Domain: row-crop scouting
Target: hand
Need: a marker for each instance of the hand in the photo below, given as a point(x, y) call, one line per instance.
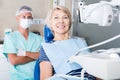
point(21, 52)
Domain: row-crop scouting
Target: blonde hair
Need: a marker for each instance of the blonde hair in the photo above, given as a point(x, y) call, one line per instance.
point(62, 8)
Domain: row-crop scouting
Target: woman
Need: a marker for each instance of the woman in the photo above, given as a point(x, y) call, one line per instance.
point(55, 54)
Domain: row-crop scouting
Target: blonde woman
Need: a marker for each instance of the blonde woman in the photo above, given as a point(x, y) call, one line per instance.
point(54, 55)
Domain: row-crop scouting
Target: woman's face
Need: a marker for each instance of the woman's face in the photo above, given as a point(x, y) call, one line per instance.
point(60, 22)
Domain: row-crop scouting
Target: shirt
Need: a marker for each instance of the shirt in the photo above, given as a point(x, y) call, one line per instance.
point(15, 41)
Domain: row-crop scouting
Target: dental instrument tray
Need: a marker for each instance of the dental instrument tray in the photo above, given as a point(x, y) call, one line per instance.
point(104, 64)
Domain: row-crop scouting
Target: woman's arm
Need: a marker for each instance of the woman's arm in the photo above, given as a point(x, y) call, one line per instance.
point(45, 70)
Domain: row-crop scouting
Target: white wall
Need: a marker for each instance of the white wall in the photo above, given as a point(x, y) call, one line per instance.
point(8, 9)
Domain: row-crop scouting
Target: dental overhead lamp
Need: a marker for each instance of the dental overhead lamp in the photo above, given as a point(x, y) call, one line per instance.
point(102, 13)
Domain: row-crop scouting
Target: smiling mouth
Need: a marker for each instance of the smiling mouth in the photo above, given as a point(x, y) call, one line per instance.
point(61, 27)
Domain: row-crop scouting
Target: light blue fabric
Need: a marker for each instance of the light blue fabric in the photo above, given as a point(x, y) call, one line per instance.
point(15, 41)
point(59, 52)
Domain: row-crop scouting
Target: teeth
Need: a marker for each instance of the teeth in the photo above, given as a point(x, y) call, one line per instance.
point(61, 27)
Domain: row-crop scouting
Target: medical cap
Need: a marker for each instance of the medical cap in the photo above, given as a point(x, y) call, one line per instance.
point(23, 9)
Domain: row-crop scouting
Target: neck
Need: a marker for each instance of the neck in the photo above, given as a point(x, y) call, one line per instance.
point(24, 32)
point(61, 37)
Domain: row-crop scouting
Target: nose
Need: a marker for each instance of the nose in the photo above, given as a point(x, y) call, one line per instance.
point(61, 20)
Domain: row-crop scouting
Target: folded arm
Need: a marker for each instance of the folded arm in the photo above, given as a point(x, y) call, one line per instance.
point(15, 59)
point(33, 55)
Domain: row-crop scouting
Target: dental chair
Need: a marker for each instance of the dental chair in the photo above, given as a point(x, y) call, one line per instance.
point(48, 35)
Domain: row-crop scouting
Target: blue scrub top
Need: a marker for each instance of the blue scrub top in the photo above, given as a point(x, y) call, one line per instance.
point(15, 41)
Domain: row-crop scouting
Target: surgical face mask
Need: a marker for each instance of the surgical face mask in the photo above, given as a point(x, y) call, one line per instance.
point(25, 23)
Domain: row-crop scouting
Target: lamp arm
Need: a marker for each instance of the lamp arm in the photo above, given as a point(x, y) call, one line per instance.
point(98, 44)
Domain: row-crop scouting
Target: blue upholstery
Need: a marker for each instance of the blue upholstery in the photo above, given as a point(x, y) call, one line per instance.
point(37, 70)
point(48, 35)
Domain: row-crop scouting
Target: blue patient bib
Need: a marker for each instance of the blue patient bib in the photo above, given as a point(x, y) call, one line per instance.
point(60, 51)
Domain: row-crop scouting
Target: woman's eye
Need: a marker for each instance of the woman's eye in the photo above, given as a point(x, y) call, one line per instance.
point(55, 17)
point(65, 17)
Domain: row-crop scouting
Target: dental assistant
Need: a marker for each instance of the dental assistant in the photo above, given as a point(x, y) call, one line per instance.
point(54, 56)
point(21, 47)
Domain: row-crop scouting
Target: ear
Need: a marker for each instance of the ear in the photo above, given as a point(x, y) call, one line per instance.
point(32, 17)
point(17, 18)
